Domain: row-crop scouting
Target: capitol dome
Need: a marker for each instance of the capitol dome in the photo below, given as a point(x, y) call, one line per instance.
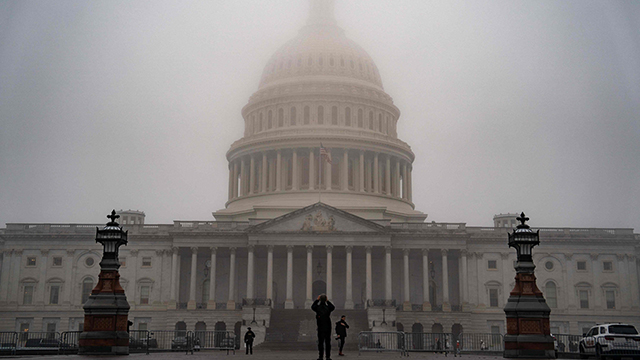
point(320, 88)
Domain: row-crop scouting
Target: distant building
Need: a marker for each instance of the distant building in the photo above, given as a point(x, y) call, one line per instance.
point(296, 225)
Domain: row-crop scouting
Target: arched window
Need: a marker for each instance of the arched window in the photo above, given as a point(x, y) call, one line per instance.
point(551, 294)
point(292, 120)
point(347, 116)
point(280, 117)
point(360, 118)
point(370, 120)
point(307, 115)
point(334, 115)
point(270, 120)
point(320, 115)
point(87, 286)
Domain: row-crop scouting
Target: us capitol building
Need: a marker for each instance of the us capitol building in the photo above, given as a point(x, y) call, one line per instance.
point(295, 226)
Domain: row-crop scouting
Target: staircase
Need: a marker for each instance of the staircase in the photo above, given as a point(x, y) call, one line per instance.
point(295, 329)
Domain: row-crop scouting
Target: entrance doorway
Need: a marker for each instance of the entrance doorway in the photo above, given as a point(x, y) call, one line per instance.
point(318, 287)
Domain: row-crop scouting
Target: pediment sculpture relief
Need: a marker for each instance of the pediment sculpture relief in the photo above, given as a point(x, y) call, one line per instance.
point(317, 222)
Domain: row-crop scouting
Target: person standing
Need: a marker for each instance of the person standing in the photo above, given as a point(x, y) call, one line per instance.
point(323, 308)
point(341, 330)
point(248, 340)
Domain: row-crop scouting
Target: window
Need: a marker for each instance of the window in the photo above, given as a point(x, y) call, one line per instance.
point(87, 286)
point(57, 261)
point(493, 297)
point(551, 294)
point(548, 265)
point(31, 261)
point(370, 120)
point(607, 266)
point(495, 329)
point(492, 264)
point(89, 261)
point(54, 294)
point(142, 326)
point(51, 327)
point(292, 120)
point(610, 295)
point(146, 262)
point(320, 115)
point(144, 294)
point(584, 299)
point(27, 295)
point(582, 266)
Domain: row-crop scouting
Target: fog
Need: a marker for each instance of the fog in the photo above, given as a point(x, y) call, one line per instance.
point(509, 106)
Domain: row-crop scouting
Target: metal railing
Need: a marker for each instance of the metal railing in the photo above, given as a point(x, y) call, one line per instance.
point(431, 342)
point(140, 341)
point(381, 341)
point(170, 340)
point(38, 340)
point(8, 342)
point(481, 342)
point(215, 340)
point(69, 342)
point(566, 343)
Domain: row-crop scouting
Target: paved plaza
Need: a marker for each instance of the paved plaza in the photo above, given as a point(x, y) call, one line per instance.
point(259, 355)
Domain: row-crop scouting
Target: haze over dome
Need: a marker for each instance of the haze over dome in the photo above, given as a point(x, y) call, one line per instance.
point(320, 88)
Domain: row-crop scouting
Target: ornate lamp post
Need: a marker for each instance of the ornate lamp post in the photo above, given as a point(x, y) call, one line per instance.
point(106, 312)
point(528, 333)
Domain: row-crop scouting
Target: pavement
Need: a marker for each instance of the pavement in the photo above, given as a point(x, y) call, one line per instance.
point(258, 355)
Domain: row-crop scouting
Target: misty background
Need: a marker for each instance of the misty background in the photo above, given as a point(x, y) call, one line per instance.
point(509, 106)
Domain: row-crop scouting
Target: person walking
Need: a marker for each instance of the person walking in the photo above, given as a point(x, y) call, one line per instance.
point(341, 330)
point(323, 308)
point(248, 340)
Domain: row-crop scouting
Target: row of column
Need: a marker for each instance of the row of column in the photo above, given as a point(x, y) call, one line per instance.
point(289, 304)
point(376, 173)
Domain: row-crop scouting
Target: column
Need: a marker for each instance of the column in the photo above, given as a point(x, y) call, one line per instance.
point(15, 276)
point(133, 262)
point(596, 268)
point(288, 303)
point(191, 305)
point(361, 172)
point(43, 276)
point(481, 268)
point(446, 306)
point(376, 175)
point(330, 272)
point(312, 167)
point(309, 295)
point(235, 179)
point(465, 279)
point(265, 173)
point(174, 278)
point(69, 269)
point(243, 178)
point(406, 305)
point(345, 170)
point(4, 281)
point(270, 274)
point(387, 268)
point(409, 185)
point(348, 304)
point(368, 176)
point(396, 176)
point(387, 175)
point(426, 305)
point(211, 305)
point(231, 304)
point(271, 181)
point(230, 181)
point(327, 173)
point(369, 288)
point(279, 171)
point(250, 274)
point(252, 175)
point(405, 187)
point(294, 170)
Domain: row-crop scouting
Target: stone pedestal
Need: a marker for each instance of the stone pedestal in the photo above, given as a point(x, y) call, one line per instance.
point(191, 305)
point(406, 306)
point(426, 306)
point(446, 307)
point(211, 305)
point(288, 304)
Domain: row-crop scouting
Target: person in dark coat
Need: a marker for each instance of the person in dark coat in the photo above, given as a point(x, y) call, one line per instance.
point(341, 330)
point(323, 308)
point(248, 340)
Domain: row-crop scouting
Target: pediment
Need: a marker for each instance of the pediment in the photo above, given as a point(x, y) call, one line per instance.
point(318, 218)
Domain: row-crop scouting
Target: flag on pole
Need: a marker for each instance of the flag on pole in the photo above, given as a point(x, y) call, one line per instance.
point(325, 154)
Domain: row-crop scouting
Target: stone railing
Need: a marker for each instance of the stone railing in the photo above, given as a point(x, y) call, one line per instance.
point(256, 302)
point(381, 303)
point(201, 306)
point(181, 306)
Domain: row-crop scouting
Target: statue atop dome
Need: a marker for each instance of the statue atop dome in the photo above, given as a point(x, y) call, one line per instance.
point(321, 12)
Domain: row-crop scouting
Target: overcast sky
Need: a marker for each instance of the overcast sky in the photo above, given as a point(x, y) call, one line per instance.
point(509, 106)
